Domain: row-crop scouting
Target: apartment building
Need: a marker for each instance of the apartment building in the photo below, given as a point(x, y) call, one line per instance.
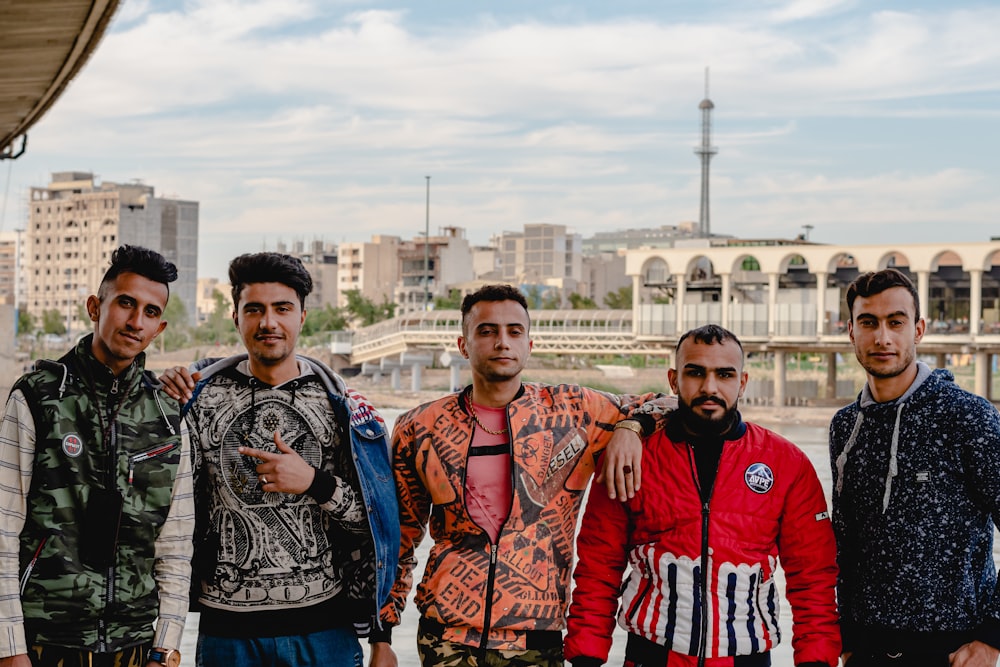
point(320, 260)
point(75, 223)
point(447, 262)
point(370, 267)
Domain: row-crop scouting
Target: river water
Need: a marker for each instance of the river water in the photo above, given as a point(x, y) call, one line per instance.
point(812, 439)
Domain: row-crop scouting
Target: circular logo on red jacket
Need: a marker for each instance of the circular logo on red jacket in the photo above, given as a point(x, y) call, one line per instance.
point(72, 445)
point(759, 477)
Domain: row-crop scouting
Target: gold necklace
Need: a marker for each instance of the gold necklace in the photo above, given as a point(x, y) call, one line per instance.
point(480, 424)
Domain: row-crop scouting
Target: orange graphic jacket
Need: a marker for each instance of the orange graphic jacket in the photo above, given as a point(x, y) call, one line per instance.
point(497, 596)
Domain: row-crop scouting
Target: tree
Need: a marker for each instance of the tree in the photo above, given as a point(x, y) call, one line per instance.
point(177, 334)
point(621, 299)
point(218, 328)
point(451, 302)
point(25, 322)
point(580, 302)
point(53, 322)
point(326, 318)
point(364, 311)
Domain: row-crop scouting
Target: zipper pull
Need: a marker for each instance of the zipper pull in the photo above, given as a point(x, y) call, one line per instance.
point(493, 554)
point(131, 470)
point(114, 386)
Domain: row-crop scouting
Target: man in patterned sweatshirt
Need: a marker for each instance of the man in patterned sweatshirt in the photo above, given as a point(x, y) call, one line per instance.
point(916, 489)
point(297, 525)
point(96, 511)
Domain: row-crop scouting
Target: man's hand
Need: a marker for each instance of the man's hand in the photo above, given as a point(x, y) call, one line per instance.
point(621, 469)
point(383, 655)
point(974, 654)
point(19, 660)
point(178, 383)
point(283, 472)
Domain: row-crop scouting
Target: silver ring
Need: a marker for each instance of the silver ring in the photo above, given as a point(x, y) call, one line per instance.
point(263, 480)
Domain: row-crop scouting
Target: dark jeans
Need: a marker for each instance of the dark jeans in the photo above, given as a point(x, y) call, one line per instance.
point(338, 647)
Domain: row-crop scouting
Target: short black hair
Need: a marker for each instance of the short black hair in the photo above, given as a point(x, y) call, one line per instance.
point(269, 267)
point(876, 282)
point(498, 292)
point(140, 261)
point(710, 334)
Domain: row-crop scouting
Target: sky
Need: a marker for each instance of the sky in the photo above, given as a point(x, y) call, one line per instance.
point(296, 120)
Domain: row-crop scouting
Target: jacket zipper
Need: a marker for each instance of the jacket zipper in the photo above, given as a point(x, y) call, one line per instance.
point(31, 564)
point(705, 520)
point(141, 457)
point(109, 586)
point(640, 597)
point(494, 546)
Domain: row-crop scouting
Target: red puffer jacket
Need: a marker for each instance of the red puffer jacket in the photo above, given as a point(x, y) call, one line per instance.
point(766, 504)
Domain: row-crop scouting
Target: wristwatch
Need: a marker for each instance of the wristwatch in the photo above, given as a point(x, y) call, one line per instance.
point(632, 425)
point(169, 657)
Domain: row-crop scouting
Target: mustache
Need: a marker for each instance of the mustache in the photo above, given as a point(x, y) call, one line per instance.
point(708, 399)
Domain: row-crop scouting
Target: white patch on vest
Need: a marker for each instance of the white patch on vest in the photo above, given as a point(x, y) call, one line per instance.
point(72, 445)
point(759, 477)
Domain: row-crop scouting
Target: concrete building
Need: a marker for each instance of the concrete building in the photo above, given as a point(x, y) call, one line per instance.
point(205, 299)
point(665, 236)
point(9, 247)
point(449, 262)
point(541, 258)
point(370, 267)
point(75, 224)
point(603, 273)
point(320, 260)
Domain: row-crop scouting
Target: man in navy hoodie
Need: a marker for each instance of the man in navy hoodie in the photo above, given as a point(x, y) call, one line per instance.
point(916, 477)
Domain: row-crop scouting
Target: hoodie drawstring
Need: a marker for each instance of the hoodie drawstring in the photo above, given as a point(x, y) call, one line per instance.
point(851, 441)
point(163, 415)
point(893, 467)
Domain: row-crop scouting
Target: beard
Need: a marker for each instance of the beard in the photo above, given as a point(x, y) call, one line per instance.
point(883, 371)
point(701, 425)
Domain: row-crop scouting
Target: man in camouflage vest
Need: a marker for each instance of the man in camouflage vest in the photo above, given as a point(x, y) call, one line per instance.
point(96, 507)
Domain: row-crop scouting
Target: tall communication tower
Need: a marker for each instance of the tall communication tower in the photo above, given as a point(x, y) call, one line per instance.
point(705, 152)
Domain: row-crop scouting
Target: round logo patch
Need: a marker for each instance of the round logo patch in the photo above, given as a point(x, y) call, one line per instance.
point(72, 445)
point(759, 477)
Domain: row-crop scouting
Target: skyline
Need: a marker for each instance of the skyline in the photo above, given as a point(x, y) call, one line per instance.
point(304, 119)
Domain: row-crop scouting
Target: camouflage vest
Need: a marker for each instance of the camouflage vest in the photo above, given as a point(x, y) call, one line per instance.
point(95, 434)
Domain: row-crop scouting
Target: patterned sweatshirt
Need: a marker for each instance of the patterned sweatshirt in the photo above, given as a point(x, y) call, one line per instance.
point(916, 490)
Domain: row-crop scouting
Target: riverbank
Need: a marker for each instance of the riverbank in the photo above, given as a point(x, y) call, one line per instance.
point(435, 384)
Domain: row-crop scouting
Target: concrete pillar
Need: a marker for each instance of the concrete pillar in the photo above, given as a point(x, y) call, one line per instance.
point(636, 302)
point(831, 375)
point(779, 378)
point(975, 300)
point(681, 326)
point(727, 285)
point(983, 374)
point(455, 381)
point(941, 360)
point(416, 375)
point(772, 302)
point(820, 303)
point(395, 382)
point(924, 291)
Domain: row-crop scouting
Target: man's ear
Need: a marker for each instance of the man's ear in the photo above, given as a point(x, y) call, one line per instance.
point(93, 308)
point(461, 347)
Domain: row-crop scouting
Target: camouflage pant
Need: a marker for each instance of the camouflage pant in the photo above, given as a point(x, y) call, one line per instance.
point(435, 652)
point(58, 656)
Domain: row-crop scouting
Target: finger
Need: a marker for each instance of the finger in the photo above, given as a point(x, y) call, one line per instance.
point(256, 453)
point(636, 477)
point(280, 444)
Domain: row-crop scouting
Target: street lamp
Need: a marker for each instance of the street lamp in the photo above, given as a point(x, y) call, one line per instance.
point(427, 249)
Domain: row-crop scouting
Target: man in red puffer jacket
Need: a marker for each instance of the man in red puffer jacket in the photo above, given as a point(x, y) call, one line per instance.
point(722, 501)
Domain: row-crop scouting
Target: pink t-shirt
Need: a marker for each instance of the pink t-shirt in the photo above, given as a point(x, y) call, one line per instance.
point(487, 473)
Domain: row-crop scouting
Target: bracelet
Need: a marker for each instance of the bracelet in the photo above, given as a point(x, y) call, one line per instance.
point(630, 425)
